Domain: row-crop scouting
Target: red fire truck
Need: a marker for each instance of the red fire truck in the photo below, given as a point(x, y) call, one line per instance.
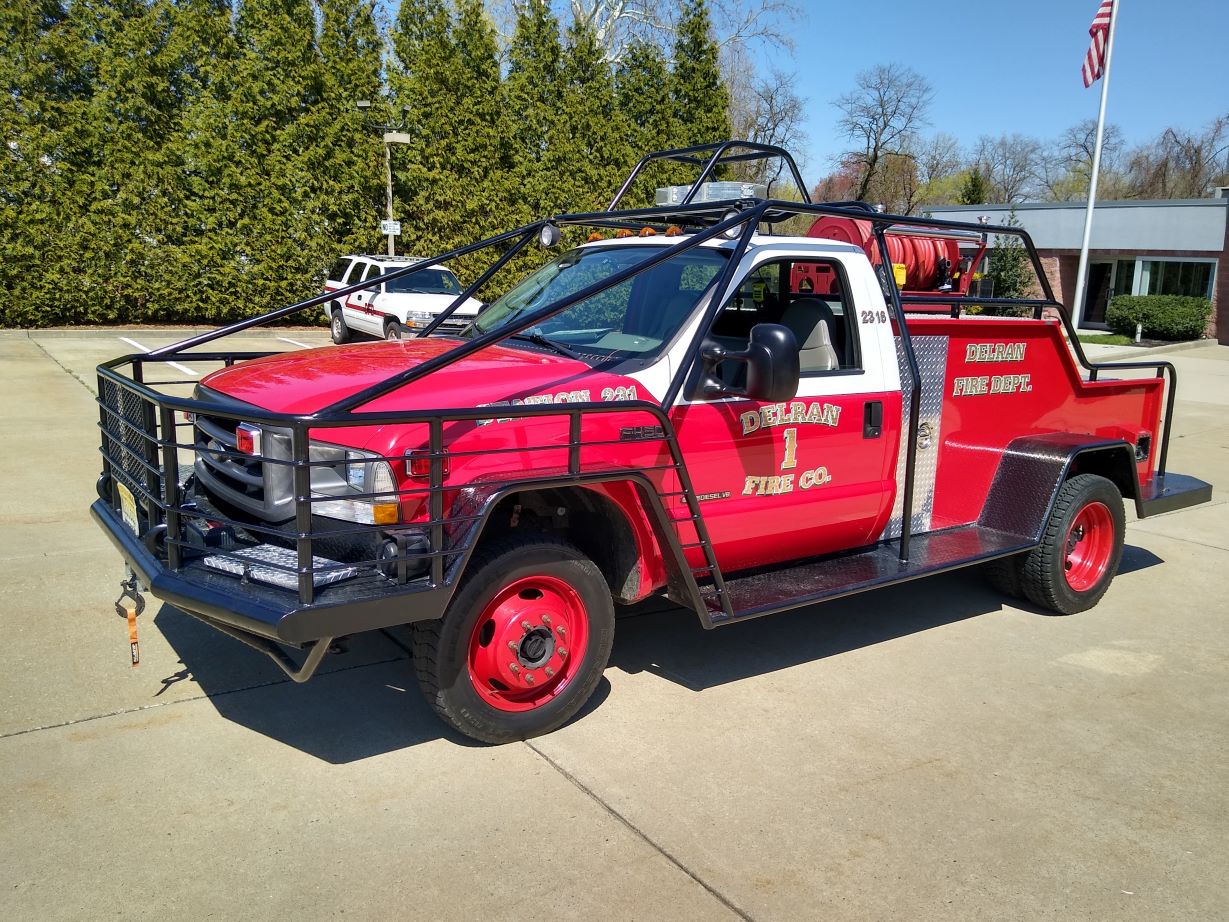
point(685, 403)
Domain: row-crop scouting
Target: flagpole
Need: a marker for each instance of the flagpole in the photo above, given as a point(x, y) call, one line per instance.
point(1081, 276)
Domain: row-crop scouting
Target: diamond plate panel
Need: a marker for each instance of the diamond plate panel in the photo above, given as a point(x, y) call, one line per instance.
point(931, 354)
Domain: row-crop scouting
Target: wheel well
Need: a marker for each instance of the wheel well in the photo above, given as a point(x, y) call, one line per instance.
point(584, 518)
point(1115, 464)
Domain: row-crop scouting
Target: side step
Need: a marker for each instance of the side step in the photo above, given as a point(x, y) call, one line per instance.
point(825, 578)
point(1171, 492)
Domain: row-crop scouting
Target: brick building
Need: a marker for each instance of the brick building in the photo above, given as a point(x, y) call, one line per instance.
point(1138, 247)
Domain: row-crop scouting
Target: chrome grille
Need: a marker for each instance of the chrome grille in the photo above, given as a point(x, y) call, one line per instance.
point(257, 485)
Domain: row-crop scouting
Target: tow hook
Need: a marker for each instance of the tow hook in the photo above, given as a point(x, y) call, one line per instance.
point(129, 605)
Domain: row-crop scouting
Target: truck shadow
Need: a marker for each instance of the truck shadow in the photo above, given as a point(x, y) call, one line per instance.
point(667, 641)
point(362, 703)
point(366, 703)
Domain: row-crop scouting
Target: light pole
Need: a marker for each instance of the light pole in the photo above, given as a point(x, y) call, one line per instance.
point(392, 135)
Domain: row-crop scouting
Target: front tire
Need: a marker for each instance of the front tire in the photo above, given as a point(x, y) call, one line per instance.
point(1073, 566)
point(338, 329)
point(523, 644)
point(392, 329)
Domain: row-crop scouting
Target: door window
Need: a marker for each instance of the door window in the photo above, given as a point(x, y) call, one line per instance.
point(807, 296)
point(339, 270)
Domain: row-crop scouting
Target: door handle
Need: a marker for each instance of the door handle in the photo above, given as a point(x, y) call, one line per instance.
point(872, 419)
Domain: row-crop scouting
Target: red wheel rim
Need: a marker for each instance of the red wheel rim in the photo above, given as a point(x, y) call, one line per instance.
point(528, 643)
point(1089, 546)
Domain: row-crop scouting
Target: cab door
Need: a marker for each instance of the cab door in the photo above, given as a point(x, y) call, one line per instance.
point(359, 311)
point(812, 475)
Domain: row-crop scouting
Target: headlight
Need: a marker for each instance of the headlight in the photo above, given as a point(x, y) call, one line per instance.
point(360, 487)
point(418, 318)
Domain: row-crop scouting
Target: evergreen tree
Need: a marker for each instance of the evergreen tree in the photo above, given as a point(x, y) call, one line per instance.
point(700, 97)
point(421, 80)
point(133, 220)
point(275, 102)
point(208, 272)
point(533, 92)
point(1010, 268)
point(593, 131)
point(351, 159)
point(47, 82)
point(643, 88)
point(974, 190)
point(479, 162)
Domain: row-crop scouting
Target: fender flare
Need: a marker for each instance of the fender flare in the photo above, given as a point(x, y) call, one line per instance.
point(1033, 469)
point(680, 579)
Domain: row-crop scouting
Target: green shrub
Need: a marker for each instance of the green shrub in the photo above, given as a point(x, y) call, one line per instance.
point(1168, 317)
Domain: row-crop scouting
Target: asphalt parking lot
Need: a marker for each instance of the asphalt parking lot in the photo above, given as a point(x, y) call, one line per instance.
point(924, 752)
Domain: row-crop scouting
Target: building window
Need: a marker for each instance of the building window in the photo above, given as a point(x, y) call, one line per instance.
point(1124, 277)
point(1162, 277)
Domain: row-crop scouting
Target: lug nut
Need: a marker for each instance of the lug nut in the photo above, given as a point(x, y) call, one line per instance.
point(514, 667)
point(563, 653)
point(560, 631)
point(546, 620)
point(549, 672)
point(512, 645)
point(529, 677)
point(526, 626)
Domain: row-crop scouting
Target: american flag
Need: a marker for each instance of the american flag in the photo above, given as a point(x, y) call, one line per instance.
point(1094, 59)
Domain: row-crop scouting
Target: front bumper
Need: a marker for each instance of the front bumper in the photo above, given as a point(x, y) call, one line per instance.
point(365, 603)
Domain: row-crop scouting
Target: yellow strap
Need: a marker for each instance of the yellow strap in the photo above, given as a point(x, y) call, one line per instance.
point(132, 635)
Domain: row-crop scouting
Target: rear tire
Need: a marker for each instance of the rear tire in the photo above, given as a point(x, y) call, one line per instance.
point(1080, 549)
point(337, 327)
point(523, 644)
point(1004, 575)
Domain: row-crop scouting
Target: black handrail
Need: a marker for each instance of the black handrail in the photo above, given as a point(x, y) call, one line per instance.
point(718, 155)
point(316, 300)
point(915, 399)
point(347, 412)
point(482, 340)
point(478, 283)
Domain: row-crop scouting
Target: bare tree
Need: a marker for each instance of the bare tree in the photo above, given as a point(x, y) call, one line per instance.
point(618, 23)
point(938, 157)
point(882, 116)
point(764, 109)
point(1182, 164)
point(1010, 164)
point(1063, 167)
point(1078, 143)
point(737, 23)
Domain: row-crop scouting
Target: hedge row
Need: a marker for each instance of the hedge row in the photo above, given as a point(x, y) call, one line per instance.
point(168, 161)
point(1169, 317)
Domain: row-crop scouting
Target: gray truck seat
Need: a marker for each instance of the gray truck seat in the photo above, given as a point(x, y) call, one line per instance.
point(811, 320)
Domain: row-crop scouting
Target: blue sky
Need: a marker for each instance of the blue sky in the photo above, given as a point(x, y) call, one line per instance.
point(1171, 65)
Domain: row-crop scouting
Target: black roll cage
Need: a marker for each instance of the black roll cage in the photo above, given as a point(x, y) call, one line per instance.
point(736, 221)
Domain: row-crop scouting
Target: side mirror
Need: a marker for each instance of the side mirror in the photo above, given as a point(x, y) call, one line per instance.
point(771, 358)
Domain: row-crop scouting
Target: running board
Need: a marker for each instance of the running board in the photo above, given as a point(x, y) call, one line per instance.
point(826, 578)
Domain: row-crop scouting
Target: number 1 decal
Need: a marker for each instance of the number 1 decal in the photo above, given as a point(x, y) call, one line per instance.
point(790, 460)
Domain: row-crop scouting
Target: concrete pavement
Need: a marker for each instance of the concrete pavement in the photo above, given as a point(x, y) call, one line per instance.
point(925, 752)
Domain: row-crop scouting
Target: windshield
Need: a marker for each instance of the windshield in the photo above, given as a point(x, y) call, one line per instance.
point(426, 281)
point(634, 318)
